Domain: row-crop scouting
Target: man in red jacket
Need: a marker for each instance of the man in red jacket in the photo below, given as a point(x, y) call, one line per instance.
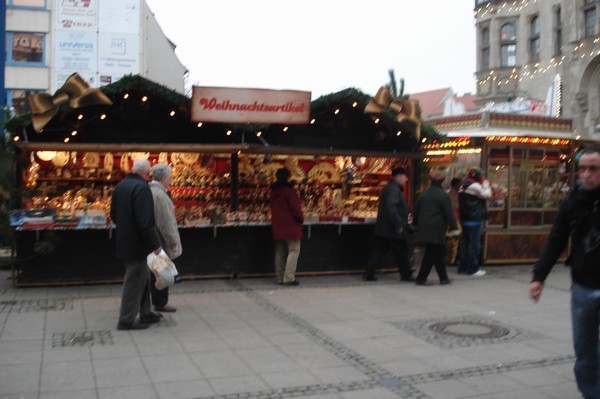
point(286, 220)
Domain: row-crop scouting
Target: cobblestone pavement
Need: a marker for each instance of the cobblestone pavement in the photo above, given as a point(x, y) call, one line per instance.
point(330, 337)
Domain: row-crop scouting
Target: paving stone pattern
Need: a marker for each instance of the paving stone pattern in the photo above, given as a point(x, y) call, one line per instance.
point(65, 332)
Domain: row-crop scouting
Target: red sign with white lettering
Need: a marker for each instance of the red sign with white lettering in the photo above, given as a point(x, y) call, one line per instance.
point(237, 105)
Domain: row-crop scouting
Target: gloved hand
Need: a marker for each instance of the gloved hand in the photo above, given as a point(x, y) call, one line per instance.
point(454, 233)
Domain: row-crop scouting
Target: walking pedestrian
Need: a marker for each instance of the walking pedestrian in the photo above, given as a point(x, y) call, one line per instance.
point(132, 211)
point(578, 218)
point(472, 199)
point(286, 220)
point(432, 216)
point(166, 229)
point(391, 228)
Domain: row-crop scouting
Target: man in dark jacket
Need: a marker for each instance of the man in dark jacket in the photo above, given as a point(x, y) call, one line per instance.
point(579, 218)
point(432, 216)
point(390, 228)
point(472, 204)
point(132, 211)
point(286, 220)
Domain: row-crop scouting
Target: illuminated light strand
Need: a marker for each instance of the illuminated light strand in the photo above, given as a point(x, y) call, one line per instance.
point(527, 140)
point(524, 73)
point(515, 6)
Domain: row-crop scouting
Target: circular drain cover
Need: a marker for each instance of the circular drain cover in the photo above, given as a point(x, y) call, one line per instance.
point(469, 329)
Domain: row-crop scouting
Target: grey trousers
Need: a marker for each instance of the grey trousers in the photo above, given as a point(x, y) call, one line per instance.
point(286, 259)
point(136, 291)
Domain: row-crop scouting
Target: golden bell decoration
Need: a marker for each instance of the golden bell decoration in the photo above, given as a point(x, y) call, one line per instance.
point(75, 92)
point(405, 110)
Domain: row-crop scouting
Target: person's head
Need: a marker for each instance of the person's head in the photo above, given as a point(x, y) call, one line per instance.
point(141, 167)
point(282, 175)
point(455, 183)
point(475, 173)
point(161, 172)
point(437, 175)
point(400, 175)
point(588, 167)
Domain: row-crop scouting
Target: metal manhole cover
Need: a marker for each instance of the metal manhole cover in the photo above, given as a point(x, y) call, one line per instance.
point(471, 329)
point(463, 331)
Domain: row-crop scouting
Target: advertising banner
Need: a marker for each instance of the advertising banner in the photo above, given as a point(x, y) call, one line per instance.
point(77, 14)
point(238, 105)
point(76, 51)
point(118, 55)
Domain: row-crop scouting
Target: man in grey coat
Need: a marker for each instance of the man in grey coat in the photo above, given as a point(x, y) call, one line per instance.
point(390, 228)
point(432, 215)
point(166, 228)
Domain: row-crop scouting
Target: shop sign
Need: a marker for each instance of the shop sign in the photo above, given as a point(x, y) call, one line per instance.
point(237, 105)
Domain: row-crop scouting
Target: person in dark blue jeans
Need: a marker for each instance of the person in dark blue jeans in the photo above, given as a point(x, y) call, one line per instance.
point(578, 218)
point(472, 198)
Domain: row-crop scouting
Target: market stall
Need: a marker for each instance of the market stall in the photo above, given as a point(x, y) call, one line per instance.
point(528, 160)
point(222, 173)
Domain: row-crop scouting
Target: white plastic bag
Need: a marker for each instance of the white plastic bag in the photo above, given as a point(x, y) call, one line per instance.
point(164, 270)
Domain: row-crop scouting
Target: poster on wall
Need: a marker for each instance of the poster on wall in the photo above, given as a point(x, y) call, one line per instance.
point(118, 55)
point(121, 16)
point(76, 51)
point(77, 15)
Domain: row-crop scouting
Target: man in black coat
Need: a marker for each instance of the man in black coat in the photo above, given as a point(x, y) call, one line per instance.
point(390, 228)
point(132, 211)
point(579, 218)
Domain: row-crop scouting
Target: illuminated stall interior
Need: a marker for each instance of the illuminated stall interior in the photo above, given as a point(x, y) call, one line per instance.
point(222, 172)
point(528, 160)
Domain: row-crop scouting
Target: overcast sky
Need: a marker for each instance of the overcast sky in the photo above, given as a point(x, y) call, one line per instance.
point(323, 46)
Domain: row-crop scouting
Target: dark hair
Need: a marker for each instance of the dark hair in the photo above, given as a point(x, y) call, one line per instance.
point(590, 149)
point(399, 171)
point(282, 175)
point(456, 183)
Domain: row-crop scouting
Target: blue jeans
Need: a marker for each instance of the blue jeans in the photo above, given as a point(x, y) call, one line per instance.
point(585, 312)
point(470, 246)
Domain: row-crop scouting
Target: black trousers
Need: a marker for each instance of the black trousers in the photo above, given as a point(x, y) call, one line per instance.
point(159, 297)
point(399, 250)
point(434, 256)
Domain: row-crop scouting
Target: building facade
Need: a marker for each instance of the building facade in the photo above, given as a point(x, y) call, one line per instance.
point(544, 51)
point(48, 40)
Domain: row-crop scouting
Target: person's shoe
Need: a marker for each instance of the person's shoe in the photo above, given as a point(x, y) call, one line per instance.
point(369, 278)
point(137, 325)
point(444, 282)
point(427, 283)
point(151, 318)
point(408, 279)
point(294, 282)
point(165, 309)
point(479, 273)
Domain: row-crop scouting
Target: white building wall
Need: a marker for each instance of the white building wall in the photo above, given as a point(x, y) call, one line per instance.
point(156, 59)
point(160, 64)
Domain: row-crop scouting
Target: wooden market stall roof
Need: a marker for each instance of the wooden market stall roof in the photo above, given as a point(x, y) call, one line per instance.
point(146, 113)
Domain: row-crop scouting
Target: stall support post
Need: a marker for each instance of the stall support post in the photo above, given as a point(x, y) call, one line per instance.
point(234, 181)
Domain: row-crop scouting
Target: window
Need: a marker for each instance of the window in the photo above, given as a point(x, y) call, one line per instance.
point(485, 48)
point(25, 48)
point(26, 3)
point(589, 18)
point(534, 39)
point(557, 32)
point(508, 46)
point(18, 100)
